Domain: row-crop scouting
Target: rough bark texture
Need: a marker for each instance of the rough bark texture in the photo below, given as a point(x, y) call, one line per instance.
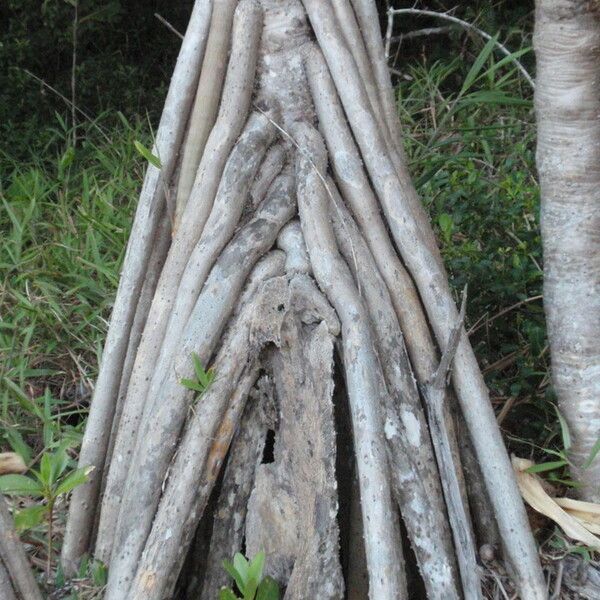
point(567, 100)
point(16, 576)
point(296, 146)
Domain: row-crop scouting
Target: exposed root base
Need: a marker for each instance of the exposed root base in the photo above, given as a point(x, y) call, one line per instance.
point(285, 246)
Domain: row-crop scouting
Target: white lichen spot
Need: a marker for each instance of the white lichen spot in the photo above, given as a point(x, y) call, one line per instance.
point(412, 426)
point(390, 429)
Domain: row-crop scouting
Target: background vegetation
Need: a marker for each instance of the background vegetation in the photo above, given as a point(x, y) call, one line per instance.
point(68, 192)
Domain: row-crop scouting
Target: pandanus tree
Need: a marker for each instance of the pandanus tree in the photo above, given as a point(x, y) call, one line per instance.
point(275, 372)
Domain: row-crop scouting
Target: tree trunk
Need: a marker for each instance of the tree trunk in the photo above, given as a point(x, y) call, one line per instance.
point(293, 234)
point(567, 100)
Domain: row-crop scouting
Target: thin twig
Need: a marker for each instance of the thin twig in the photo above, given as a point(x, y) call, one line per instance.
point(168, 25)
point(503, 312)
point(67, 102)
point(439, 379)
point(466, 25)
point(426, 31)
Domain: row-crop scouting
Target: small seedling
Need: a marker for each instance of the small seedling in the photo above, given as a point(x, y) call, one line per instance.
point(249, 580)
point(203, 377)
point(53, 479)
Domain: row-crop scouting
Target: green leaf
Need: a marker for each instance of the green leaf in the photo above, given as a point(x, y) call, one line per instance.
point(255, 570)
point(250, 588)
point(227, 594)
point(59, 580)
point(478, 64)
point(446, 225)
point(564, 429)
point(547, 466)
point(198, 368)
point(60, 461)
point(147, 154)
point(72, 480)
point(512, 58)
point(18, 445)
point(241, 566)
point(29, 517)
point(593, 453)
point(19, 485)
point(99, 573)
point(190, 384)
point(268, 590)
point(239, 581)
point(45, 472)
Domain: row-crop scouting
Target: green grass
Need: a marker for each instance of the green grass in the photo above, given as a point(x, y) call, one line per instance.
point(65, 218)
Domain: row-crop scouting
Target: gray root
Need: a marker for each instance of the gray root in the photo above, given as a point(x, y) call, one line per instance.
point(224, 294)
point(206, 103)
point(432, 283)
point(567, 102)
point(414, 475)
point(16, 576)
point(436, 397)
point(152, 198)
point(363, 372)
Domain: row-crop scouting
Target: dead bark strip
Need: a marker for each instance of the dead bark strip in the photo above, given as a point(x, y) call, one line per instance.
point(245, 456)
point(304, 467)
point(567, 102)
point(168, 138)
point(13, 559)
point(207, 439)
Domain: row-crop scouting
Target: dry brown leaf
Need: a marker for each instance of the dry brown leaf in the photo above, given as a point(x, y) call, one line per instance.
point(534, 494)
point(11, 462)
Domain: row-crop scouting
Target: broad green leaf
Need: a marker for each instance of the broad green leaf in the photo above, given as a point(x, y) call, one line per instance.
point(46, 476)
point(268, 590)
point(60, 461)
point(239, 581)
point(241, 566)
point(147, 154)
point(256, 567)
point(227, 594)
point(19, 485)
point(72, 480)
point(478, 64)
point(190, 384)
point(547, 466)
point(250, 588)
point(29, 517)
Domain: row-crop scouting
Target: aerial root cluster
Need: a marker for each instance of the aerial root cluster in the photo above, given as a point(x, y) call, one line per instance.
point(283, 245)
